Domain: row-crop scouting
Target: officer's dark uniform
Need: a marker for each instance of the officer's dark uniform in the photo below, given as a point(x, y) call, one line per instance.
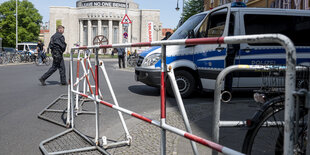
point(58, 46)
point(121, 56)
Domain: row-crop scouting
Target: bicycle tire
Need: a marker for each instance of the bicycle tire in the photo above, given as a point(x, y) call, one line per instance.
point(264, 140)
point(17, 59)
point(273, 145)
point(47, 61)
point(36, 61)
point(5, 59)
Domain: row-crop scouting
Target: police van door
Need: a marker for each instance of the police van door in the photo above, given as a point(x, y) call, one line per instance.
point(271, 22)
point(210, 59)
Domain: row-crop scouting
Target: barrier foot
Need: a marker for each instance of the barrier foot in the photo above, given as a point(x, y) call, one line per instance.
point(75, 143)
point(117, 144)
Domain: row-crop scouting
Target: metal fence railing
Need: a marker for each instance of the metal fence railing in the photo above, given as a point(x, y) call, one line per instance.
point(268, 38)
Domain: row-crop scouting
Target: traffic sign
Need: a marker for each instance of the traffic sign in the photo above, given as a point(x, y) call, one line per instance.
point(125, 34)
point(126, 20)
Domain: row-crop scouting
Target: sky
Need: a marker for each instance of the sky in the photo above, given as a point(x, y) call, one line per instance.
point(168, 15)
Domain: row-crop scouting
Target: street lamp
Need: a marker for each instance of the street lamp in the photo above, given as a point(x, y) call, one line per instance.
point(177, 8)
point(16, 24)
point(157, 28)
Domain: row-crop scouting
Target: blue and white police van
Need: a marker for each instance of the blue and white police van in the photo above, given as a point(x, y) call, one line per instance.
point(197, 67)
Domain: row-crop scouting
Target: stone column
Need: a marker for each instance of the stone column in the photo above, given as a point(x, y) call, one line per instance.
point(81, 32)
point(100, 32)
point(120, 32)
point(110, 37)
point(110, 31)
point(99, 27)
point(89, 31)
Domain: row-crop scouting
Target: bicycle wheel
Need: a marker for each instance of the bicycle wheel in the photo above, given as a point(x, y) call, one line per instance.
point(47, 60)
point(259, 139)
point(36, 61)
point(17, 59)
point(4, 59)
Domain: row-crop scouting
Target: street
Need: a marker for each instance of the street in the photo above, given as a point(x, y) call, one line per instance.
point(22, 98)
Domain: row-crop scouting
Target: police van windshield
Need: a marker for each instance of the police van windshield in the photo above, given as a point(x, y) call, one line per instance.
point(32, 47)
point(189, 25)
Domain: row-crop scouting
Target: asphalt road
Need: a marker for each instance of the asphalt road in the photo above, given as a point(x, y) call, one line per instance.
point(22, 98)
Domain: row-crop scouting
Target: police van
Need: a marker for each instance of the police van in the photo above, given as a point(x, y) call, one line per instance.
point(27, 47)
point(197, 66)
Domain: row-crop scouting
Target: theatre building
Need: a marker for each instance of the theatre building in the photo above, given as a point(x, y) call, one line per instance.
point(103, 17)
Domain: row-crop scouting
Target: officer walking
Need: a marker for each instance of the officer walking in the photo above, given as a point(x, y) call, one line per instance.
point(121, 56)
point(58, 46)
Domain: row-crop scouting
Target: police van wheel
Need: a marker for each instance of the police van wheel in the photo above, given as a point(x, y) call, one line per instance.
point(186, 83)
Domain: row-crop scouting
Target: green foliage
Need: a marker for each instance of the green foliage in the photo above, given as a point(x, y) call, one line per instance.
point(28, 22)
point(58, 22)
point(192, 7)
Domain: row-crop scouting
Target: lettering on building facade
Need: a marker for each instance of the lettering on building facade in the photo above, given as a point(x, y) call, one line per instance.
point(150, 31)
point(104, 4)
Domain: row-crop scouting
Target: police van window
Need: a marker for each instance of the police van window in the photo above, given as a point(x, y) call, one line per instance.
point(214, 25)
point(20, 47)
point(32, 47)
point(297, 28)
point(190, 24)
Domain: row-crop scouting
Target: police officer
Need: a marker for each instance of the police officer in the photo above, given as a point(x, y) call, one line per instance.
point(58, 46)
point(121, 56)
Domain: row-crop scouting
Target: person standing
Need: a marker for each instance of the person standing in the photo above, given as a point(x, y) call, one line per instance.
point(40, 51)
point(121, 57)
point(58, 46)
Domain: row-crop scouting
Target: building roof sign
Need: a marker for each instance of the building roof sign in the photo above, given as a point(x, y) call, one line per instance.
point(103, 4)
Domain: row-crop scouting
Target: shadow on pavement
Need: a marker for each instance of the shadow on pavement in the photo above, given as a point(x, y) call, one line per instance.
point(52, 83)
point(144, 90)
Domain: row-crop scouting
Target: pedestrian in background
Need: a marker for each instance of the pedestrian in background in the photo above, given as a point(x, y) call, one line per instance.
point(121, 56)
point(58, 47)
point(40, 51)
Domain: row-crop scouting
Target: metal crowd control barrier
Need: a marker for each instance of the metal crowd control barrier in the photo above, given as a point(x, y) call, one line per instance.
point(55, 112)
point(218, 40)
point(97, 92)
point(74, 141)
point(289, 84)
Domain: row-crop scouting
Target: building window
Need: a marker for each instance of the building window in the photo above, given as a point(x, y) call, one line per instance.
point(115, 32)
point(105, 28)
point(85, 33)
point(94, 29)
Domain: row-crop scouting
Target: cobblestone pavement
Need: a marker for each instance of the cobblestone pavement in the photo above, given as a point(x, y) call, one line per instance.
point(146, 137)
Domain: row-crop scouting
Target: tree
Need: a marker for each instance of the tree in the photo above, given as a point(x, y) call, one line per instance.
point(28, 22)
point(192, 7)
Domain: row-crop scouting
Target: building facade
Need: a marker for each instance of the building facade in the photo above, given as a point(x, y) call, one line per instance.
point(285, 4)
point(91, 18)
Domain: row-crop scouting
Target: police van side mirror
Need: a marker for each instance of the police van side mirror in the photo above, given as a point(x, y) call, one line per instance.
point(191, 34)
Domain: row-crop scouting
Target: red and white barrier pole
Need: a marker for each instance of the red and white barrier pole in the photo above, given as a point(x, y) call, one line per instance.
point(278, 38)
point(182, 133)
point(97, 93)
point(163, 100)
point(77, 79)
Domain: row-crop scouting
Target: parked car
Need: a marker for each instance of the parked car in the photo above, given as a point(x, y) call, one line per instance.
point(10, 50)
